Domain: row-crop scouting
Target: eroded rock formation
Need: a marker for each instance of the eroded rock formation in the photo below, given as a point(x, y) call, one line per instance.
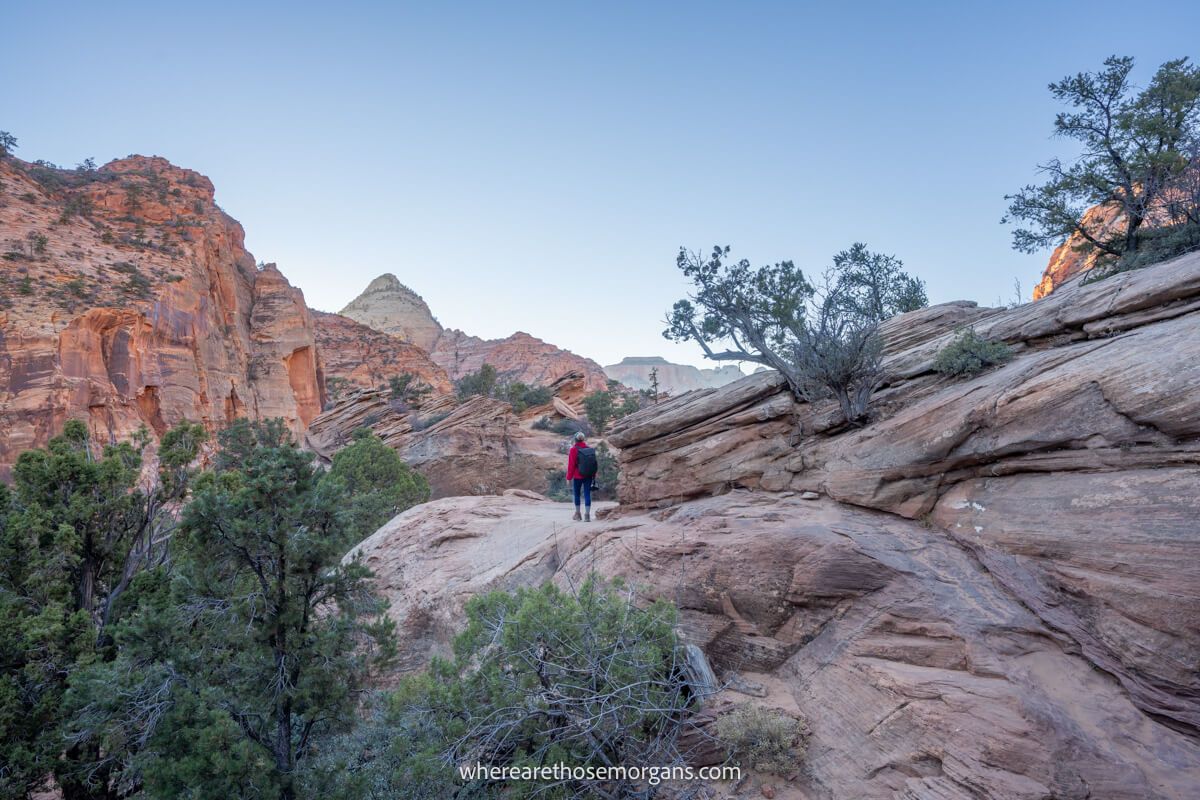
point(919, 674)
point(990, 590)
point(391, 307)
point(1073, 470)
point(477, 446)
point(129, 299)
point(367, 358)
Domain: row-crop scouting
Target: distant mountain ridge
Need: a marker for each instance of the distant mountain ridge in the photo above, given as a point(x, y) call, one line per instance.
point(387, 305)
point(634, 372)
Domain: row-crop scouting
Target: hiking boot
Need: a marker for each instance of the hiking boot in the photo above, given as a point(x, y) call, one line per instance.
point(576, 517)
point(587, 514)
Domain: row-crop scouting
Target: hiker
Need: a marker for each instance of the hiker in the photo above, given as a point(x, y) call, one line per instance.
point(581, 472)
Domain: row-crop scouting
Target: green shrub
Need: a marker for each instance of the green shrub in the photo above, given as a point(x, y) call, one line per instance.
point(380, 482)
point(970, 354)
point(764, 739)
point(556, 486)
point(513, 694)
point(482, 382)
point(599, 407)
point(607, 471)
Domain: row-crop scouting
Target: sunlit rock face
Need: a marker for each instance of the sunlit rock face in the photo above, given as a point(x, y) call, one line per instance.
point(1074, 257)
point(367, 359)
point(130, 300)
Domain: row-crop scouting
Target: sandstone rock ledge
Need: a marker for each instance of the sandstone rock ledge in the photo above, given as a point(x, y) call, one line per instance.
point(1073, 471)
point(920, 674)
point(990, 591)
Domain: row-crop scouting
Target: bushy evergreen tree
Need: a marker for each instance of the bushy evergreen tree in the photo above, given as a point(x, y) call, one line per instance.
point(76, 530)
point(539, 677)
point(379, 481)
point(253, 647)
point(1139, 154)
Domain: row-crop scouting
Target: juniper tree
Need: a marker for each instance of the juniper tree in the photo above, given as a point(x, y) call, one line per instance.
point(1138, 149)
point(822, 339)
point(538, 677)
point(76, 531)
point(381, 484)
point(255, 645)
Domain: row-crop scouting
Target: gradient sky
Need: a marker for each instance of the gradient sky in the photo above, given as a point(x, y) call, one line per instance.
point(536, 166)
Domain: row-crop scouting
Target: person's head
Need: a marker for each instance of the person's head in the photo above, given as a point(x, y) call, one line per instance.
point(579, 436)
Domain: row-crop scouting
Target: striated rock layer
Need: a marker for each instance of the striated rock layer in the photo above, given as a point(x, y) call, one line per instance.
point(478, 446)
point(919, 673)
point(367, 358)
point(391, 307)
point(1072, 472)
point(129, 299)
point(989, 590)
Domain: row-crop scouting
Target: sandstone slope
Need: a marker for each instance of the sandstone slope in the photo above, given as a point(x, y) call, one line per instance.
point(1073, 471)
point(990, 590)
point(919, 673)
point(391, 307)
point(129, 299)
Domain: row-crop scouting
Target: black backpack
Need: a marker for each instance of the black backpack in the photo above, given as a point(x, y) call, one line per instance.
point(585, 462)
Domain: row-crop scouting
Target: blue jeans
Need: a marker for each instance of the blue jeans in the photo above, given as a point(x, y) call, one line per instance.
point(586, 485)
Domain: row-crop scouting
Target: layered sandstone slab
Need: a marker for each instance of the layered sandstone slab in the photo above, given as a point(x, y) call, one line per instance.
point(919, 673)
point(478, 446)
point(130, 299)
point(1073, 471)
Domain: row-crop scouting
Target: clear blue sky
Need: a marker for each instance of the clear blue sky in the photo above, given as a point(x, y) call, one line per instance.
point(535, 166)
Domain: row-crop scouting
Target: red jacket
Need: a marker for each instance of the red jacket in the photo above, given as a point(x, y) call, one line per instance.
point(572, 460)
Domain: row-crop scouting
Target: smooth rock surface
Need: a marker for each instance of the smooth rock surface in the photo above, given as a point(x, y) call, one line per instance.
point(919, 673)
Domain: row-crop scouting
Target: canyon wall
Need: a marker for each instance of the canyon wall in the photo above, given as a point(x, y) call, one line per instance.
point(129, 299)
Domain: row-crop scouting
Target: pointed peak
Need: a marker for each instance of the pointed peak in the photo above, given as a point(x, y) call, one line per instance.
point(387, 282)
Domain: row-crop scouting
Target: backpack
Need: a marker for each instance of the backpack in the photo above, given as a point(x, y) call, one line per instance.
point(585, 462)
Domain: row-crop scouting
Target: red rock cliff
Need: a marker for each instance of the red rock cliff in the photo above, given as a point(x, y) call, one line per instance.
point(129, 299)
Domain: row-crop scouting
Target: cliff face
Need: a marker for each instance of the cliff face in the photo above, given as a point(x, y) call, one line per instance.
point(129, 299)
point(368, 359)
point(634, 372)
point(391, 307)
point(990, 590)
